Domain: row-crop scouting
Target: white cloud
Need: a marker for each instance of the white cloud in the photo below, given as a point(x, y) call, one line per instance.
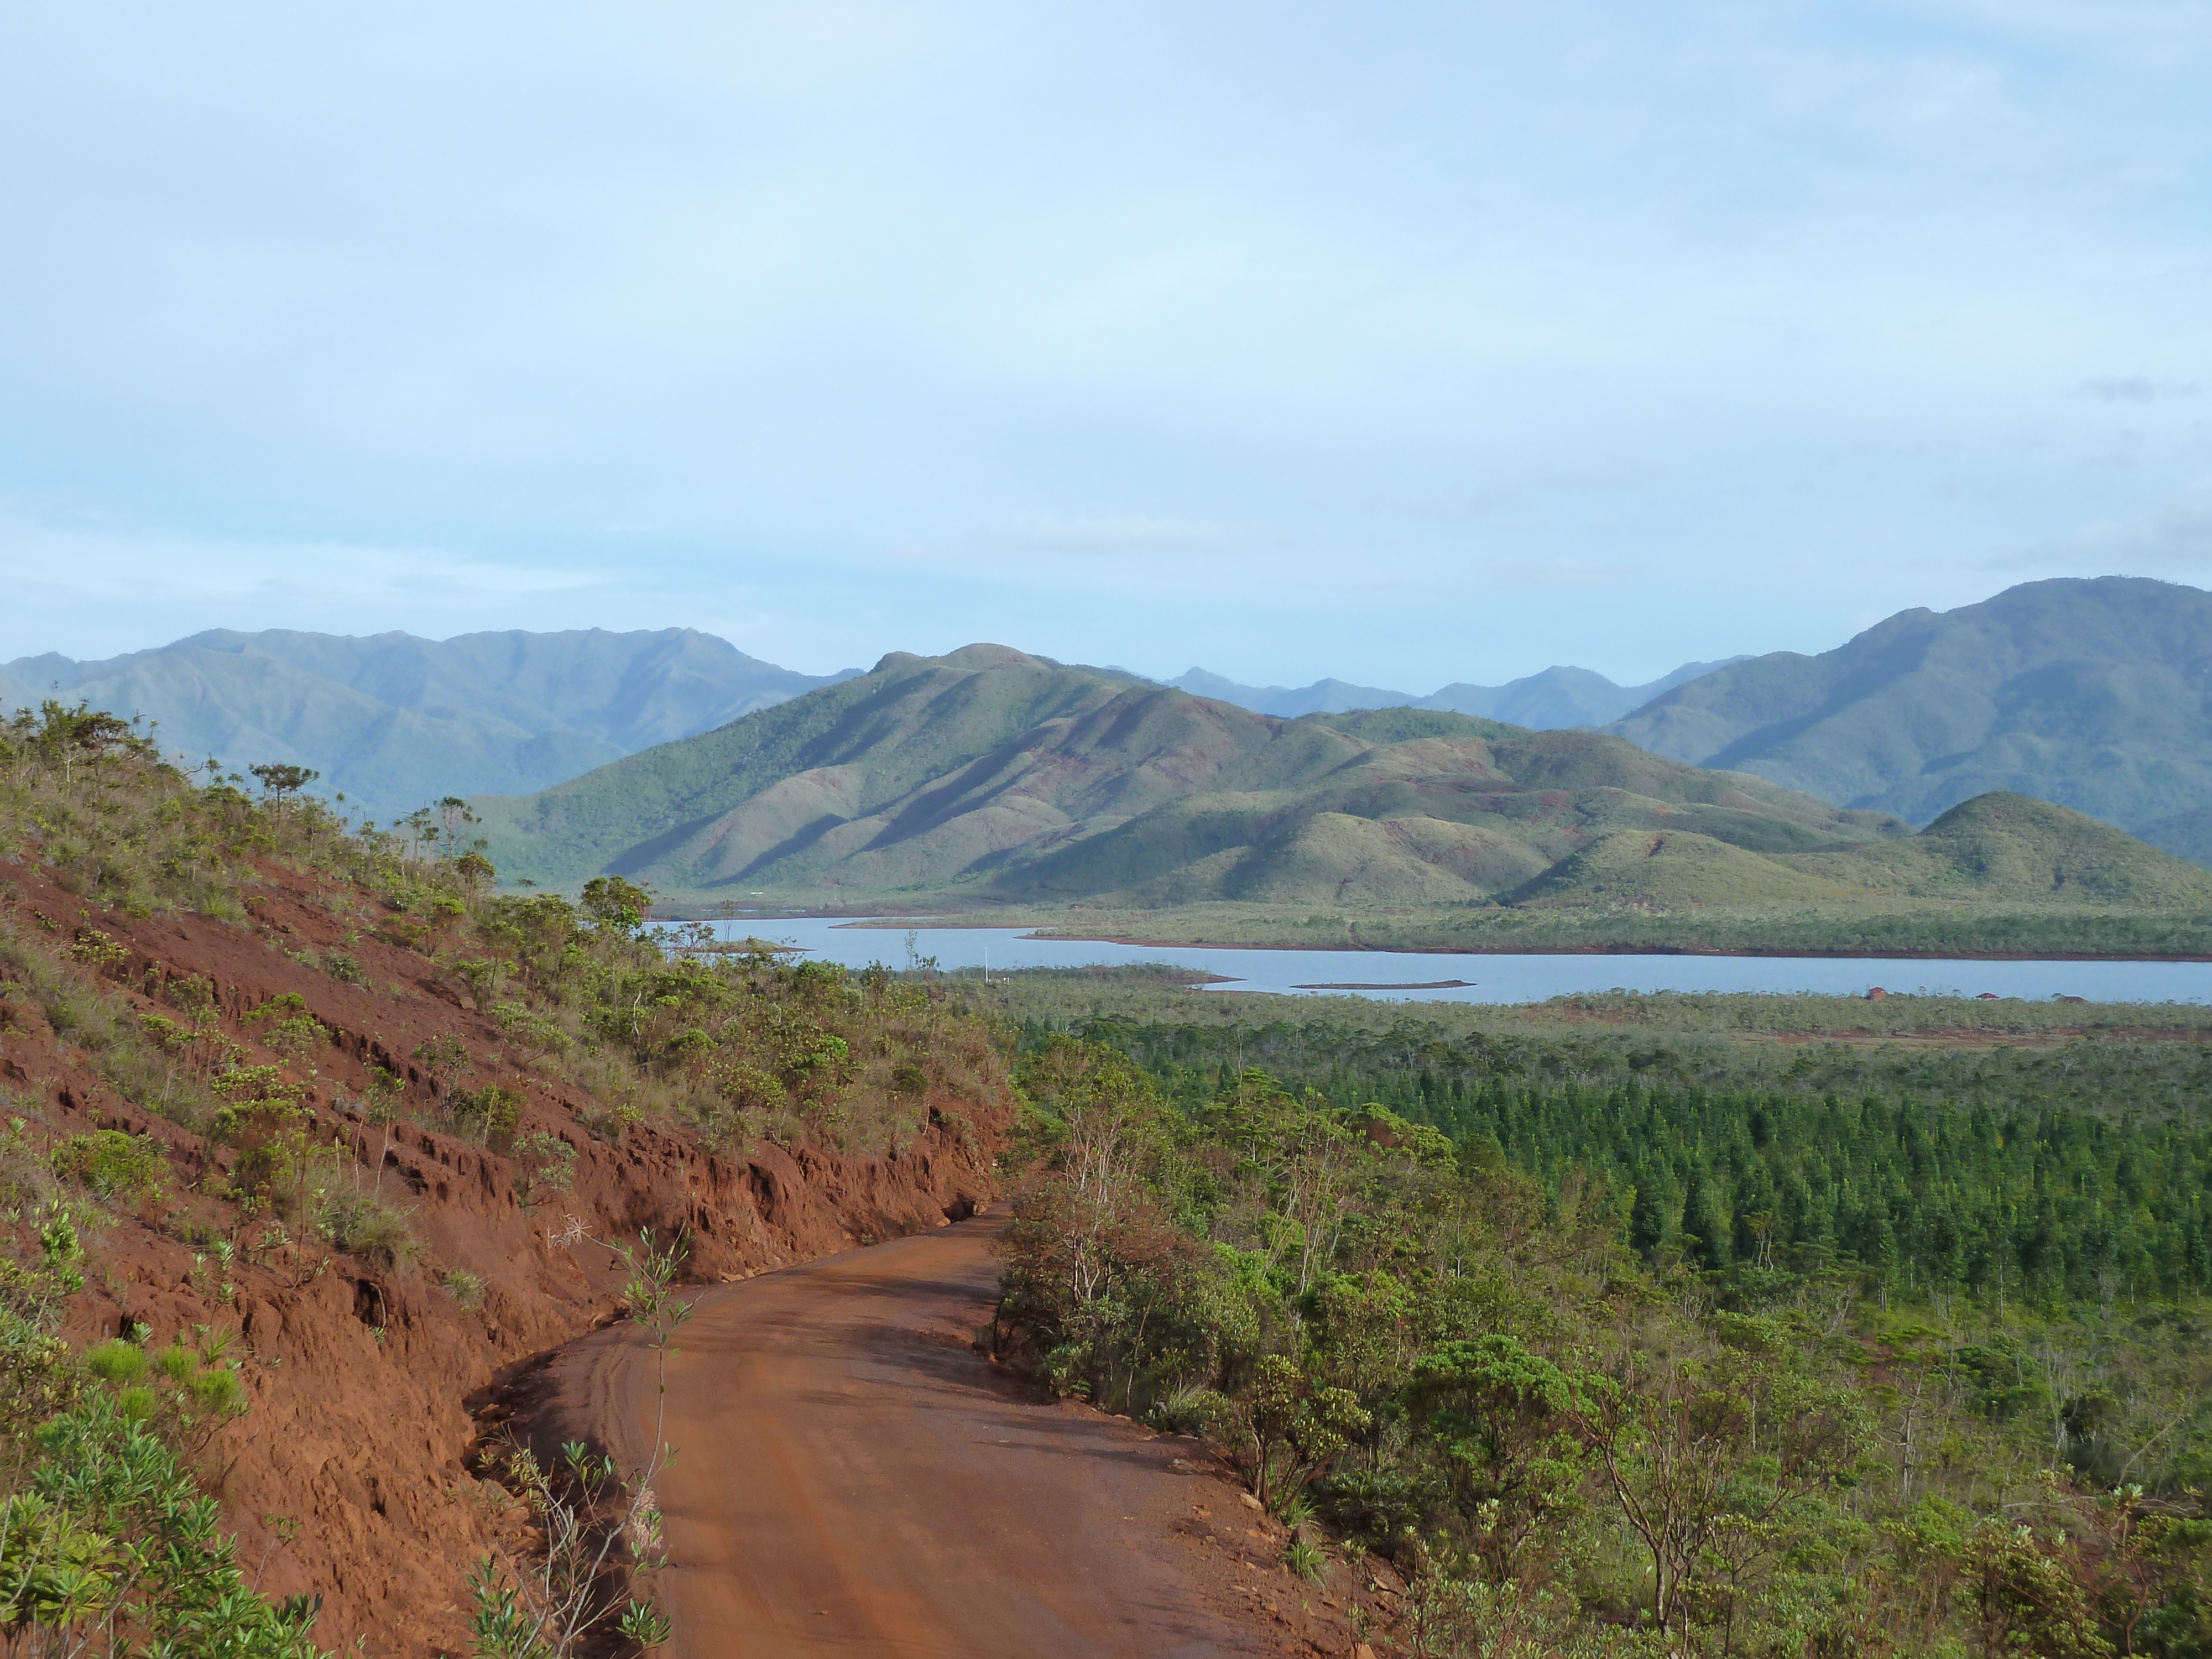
point(1562, 573)
point(770, 289)
point(2135, 389)
point(1136, 536)
point(2175, 535)
point(94, 591)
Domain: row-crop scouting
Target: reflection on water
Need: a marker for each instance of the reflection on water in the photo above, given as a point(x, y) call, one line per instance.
point(1429, 977)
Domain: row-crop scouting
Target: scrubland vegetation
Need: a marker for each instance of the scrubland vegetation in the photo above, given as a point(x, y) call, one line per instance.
point(106, 1540)
point(1720, 1325)
point(1711, 1325)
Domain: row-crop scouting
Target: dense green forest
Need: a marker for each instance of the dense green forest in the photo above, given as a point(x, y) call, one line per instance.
point(2078, 1172)
point(1648, 1333)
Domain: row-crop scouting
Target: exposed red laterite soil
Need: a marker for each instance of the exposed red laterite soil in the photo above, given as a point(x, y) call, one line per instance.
point(370, 1386)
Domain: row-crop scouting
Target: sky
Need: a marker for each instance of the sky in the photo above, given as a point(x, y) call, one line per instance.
point(1407, 344)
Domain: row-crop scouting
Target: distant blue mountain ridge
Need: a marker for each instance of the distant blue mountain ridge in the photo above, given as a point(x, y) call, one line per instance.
point(392, 720)
point(1555, 699)
point(2095, 694)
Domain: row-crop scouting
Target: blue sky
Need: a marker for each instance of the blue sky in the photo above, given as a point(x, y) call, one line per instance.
point(1408, 345)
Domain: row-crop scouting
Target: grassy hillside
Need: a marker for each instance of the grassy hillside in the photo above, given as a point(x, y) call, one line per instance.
point(707, 811)
point(292, 1122)
point(2095, 694)
point(1000, 776)
point(1085, 799)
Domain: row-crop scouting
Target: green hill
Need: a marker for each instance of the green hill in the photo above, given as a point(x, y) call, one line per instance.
point(1997, 849)
point(2094, 694)
point(1009, 777)
point(2006, 848)
point(993, 777)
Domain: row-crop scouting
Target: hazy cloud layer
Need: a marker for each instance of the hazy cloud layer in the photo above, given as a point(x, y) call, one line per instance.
point(2174, 539)
point(1433, 344)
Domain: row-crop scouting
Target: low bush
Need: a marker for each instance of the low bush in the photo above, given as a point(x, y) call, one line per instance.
point(543, 1164)
point(485, 1112)
point(113, 1548)
point(26, 1175)
point(357, 1223)
point(112, 1164)
point(108, 1543)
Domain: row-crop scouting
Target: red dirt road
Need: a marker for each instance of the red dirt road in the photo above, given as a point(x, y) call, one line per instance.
point(854, 1480)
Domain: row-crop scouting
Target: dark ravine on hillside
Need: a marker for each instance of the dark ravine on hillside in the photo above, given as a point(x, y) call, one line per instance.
point(992, 775)
point(2094, 694)
point(394, 722)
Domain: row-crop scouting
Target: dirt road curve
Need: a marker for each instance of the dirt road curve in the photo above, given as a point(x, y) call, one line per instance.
point(854, 1480)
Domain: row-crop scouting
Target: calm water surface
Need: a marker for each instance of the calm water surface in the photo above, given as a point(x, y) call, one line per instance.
point(1492, 979)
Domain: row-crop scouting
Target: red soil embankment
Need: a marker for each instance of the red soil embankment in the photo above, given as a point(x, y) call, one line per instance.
point(365, 1382)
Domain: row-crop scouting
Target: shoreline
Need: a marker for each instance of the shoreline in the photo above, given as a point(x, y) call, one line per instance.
point(1784, 953)
point(1418, 985)
point(878, 923)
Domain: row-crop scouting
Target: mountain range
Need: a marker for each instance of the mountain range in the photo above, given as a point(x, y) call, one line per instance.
point(393, 720)
point(1555, 698)
point(2096, 693)
point(993, 774)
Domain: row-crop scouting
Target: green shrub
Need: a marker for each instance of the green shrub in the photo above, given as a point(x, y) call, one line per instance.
point(543, 1164)
point(266, 1171)
point(254, 1098)
point(344, 967)
point(114, 1535)
point(1385, 1508)
point(1190, 1409)
point(465, 1288)
point(113, 1164)
point(295, 1037)
point(137, 1402)
point(485, 1112)
point(529, 1030)
point(117, 1362)
point(359, 1224)
point(98, 951)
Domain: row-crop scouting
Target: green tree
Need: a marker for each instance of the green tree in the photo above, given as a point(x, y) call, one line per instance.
point(1506, 1419)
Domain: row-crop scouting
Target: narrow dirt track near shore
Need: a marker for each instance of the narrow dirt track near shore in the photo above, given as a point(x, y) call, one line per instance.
point(853, 1478)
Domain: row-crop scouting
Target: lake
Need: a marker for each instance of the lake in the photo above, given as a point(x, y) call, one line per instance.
point(1395, 975)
